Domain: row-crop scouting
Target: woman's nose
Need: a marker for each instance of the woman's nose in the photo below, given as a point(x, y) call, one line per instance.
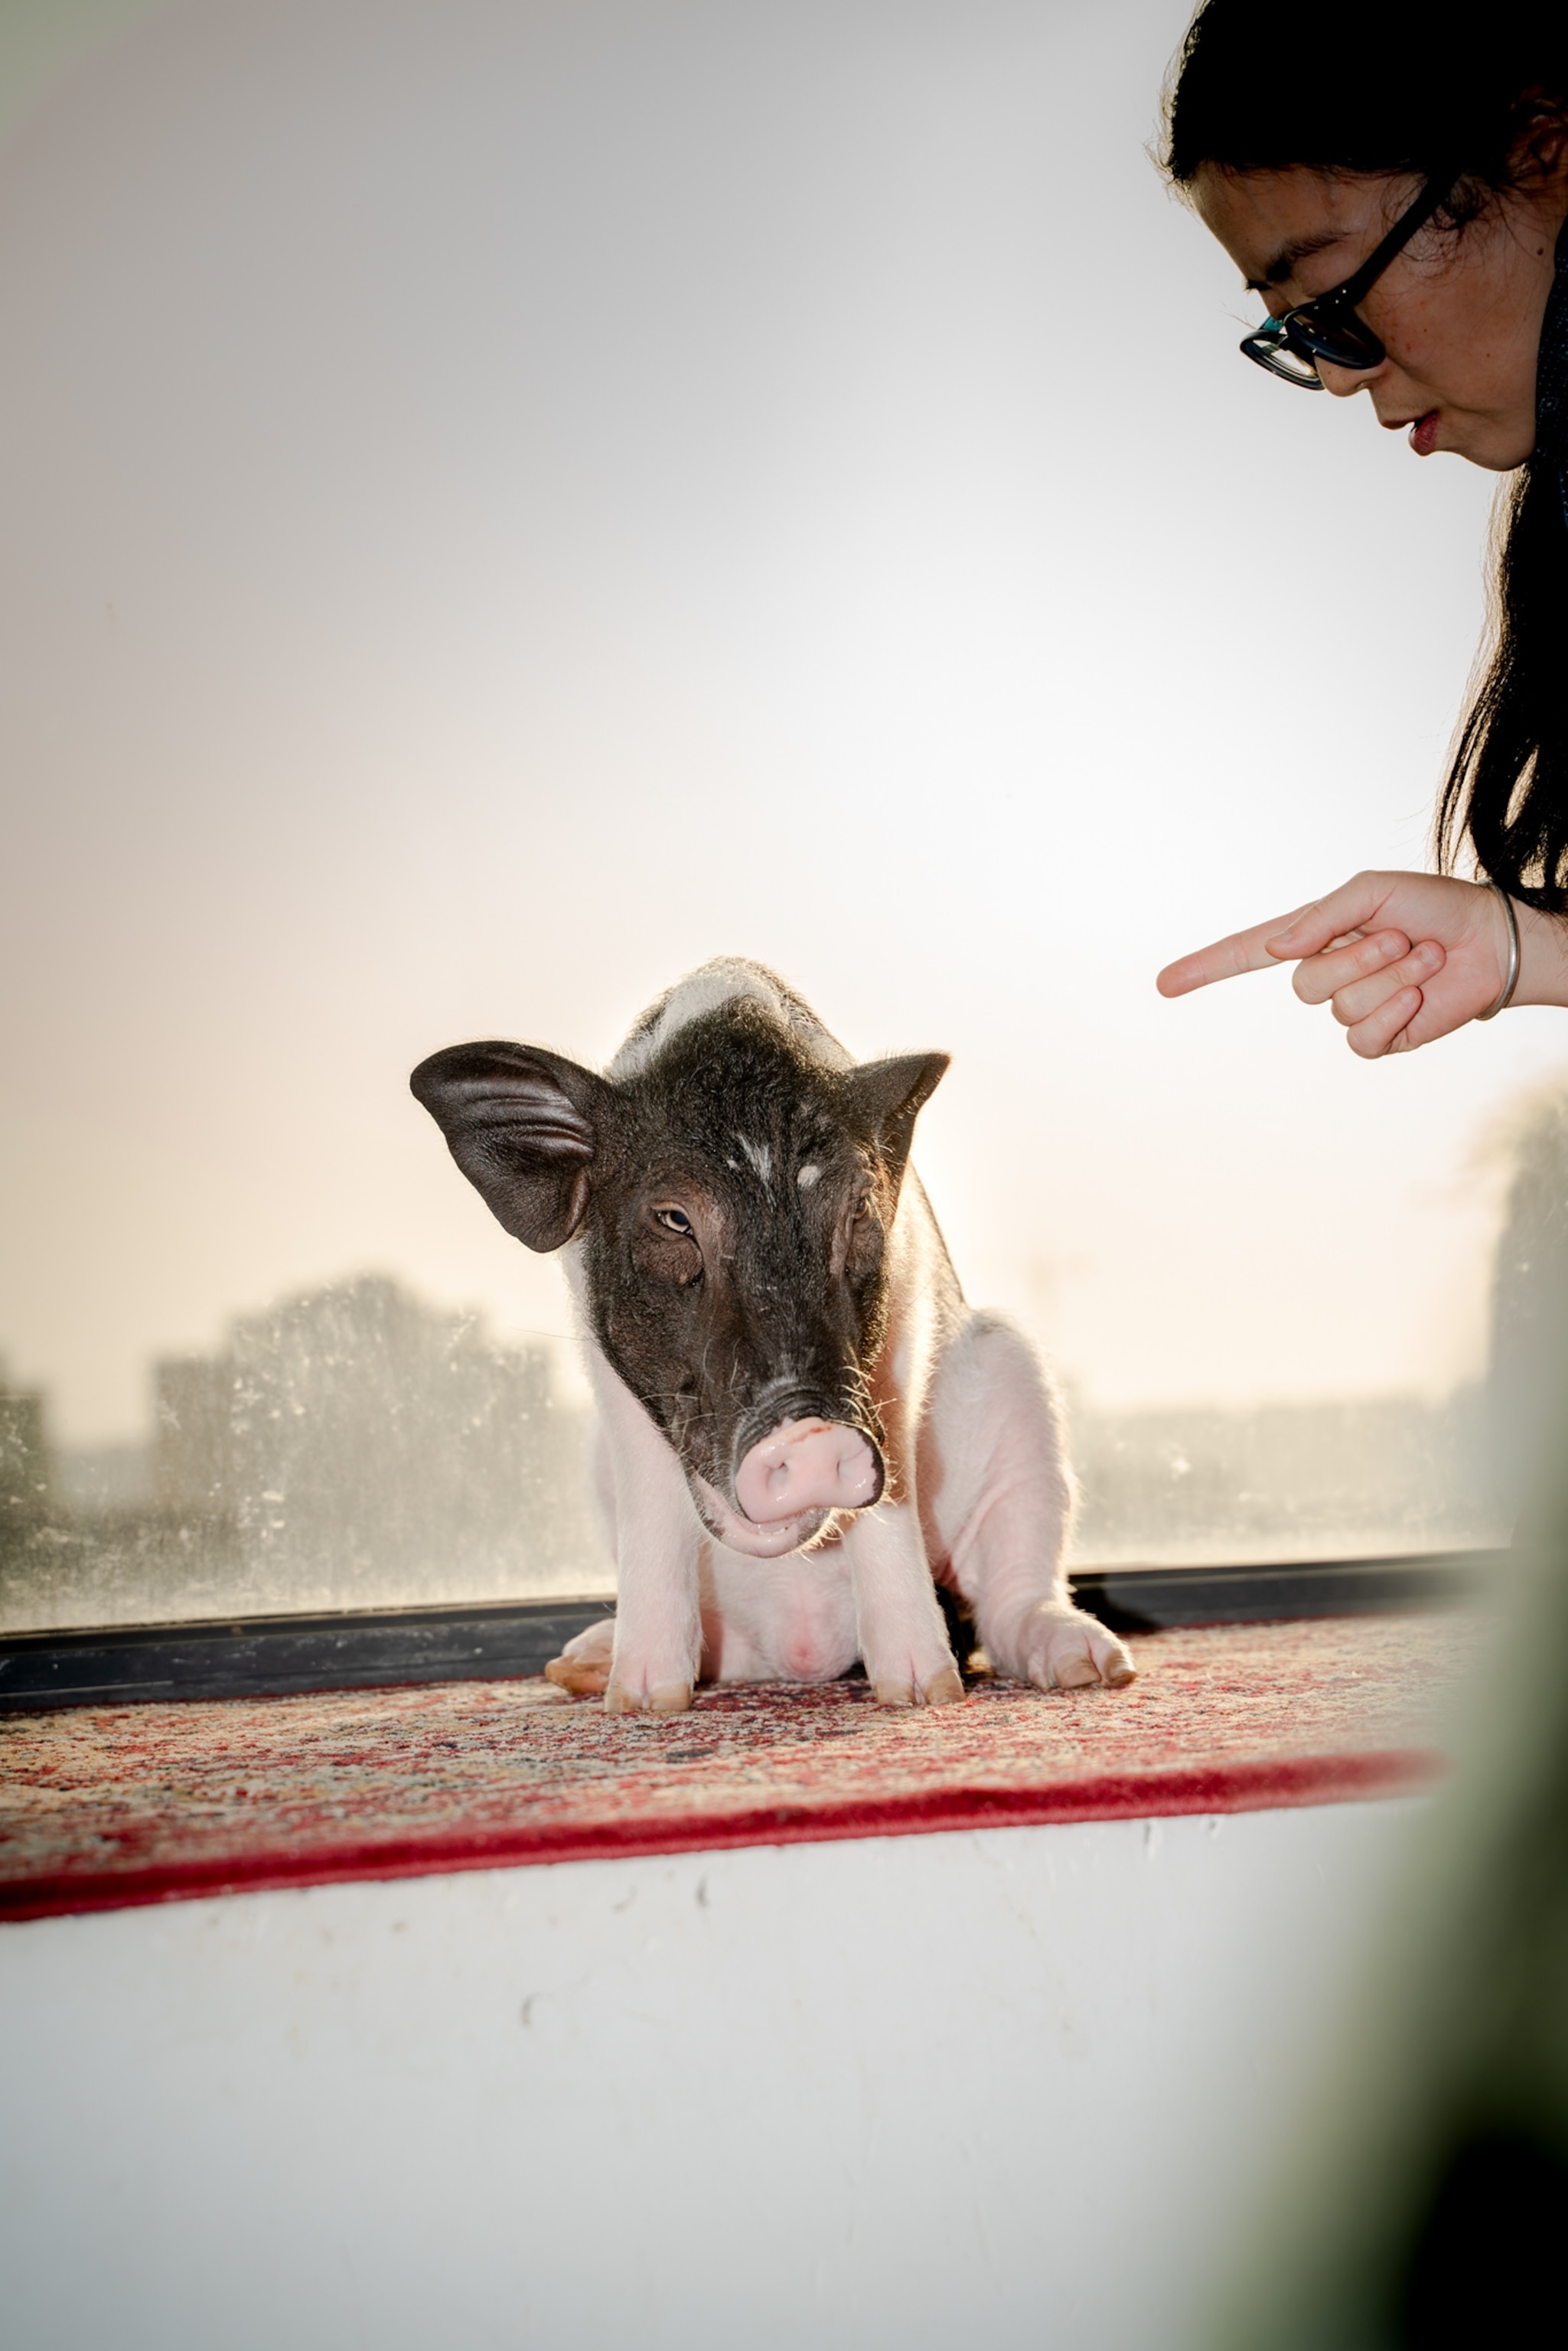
point(1342, 381)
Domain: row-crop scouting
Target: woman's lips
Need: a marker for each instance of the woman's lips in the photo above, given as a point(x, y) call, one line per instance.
point(1424, 433)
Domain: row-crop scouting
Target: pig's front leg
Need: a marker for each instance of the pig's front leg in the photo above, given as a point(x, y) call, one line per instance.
point(658, 1618)
point(994, 1474)
point(903, 1639)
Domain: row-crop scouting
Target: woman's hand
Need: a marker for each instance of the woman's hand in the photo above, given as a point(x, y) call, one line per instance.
point(1403, 959)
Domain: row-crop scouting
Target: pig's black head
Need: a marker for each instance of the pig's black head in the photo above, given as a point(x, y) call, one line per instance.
point(733, 1200)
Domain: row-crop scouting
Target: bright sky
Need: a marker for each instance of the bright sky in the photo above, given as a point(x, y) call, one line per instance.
point(502, 502)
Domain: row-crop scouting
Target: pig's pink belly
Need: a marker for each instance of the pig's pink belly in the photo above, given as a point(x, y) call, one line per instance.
point(791, 1619)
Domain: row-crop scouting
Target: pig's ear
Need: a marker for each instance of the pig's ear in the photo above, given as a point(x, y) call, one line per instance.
point(521, 1125)
point(889, 1096)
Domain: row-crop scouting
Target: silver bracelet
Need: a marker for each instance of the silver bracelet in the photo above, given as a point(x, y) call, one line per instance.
point(1511, 982)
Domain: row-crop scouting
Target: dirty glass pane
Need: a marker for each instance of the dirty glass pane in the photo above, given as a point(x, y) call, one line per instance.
point(352, 1447)
point(499, 512)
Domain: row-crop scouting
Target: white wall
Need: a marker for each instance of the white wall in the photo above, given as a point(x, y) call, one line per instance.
point(1014, 2087)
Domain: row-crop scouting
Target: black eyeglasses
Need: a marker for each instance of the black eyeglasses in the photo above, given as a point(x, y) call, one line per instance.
point(1327, 326)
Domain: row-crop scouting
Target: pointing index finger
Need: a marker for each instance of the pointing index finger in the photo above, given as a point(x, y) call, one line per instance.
point(1228, 958)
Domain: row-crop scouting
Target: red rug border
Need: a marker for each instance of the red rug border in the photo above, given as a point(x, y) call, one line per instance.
point(1282, 1783)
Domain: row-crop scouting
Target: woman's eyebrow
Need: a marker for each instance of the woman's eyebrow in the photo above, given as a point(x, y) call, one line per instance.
point(1282, 265)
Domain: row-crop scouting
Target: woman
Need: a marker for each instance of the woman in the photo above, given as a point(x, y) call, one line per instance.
point(1398, 198)
point(1397, 188)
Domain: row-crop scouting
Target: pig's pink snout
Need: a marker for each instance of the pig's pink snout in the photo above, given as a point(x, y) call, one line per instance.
point(808, 1464)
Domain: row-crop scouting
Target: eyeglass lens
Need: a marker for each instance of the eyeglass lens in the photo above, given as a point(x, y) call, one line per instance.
point(1291, 346)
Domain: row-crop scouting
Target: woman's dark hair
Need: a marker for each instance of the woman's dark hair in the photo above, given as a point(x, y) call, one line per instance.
point(1360, 86)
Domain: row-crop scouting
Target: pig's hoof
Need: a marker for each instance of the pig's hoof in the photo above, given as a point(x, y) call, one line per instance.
point(664, 1698)
point(894, 1693)
point(1063, 1649)
point(1074, 1673)
point(944, 1688)
point(583, 1681)
point(584, 1666)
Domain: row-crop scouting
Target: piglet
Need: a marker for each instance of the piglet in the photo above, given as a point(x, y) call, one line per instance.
point(804, 1429)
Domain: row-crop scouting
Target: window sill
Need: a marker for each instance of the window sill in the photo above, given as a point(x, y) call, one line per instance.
point(281, 1656)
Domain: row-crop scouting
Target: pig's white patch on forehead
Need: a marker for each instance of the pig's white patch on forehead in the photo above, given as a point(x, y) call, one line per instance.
point(759, 1155)
point(730, 979)
point(806, 1177)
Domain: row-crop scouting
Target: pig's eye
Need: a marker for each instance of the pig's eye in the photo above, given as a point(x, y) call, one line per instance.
point(674, 1220)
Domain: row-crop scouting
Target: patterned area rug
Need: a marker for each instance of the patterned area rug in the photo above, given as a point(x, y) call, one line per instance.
point(108, 1806)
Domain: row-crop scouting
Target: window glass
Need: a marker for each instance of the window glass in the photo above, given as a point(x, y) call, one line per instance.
point(504, 505)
